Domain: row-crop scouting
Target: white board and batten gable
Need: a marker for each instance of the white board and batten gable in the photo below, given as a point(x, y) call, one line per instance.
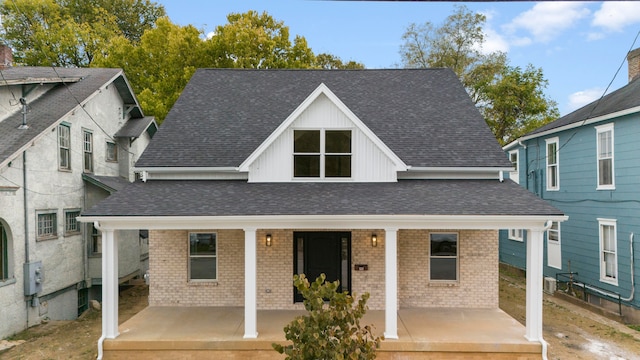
point(371, 159)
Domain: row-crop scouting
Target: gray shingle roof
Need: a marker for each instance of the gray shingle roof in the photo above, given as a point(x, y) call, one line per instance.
point(626, 97)
point(423, 115)
point(133, 128)
point(50, 107)
point(108, 183)
point(405, 197)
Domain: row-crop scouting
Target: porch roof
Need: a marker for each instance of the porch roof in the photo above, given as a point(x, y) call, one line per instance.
point(162, 198)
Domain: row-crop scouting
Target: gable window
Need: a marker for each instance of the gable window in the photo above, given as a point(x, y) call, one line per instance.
point(516, 234)
point(70, 223)
point(87, 149)
point(47, 225)
point(443, 257)
point(112, 151)
point(608, 251)
point(203, 260)
point(605, 157)
point(553, 179)
point(322, 153)
point(514, 174)
point(64, 146)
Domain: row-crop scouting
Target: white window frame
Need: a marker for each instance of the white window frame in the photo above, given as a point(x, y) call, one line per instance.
point(215, 257)
point(457, 257)
point(600, 130)
point(552, 168)
point(551, 230)
point(613, 280)
point(87, 150)
point(322, 154)
point(70, 219)
point(515, 174)
point(42, 224)
point(64, 147)
point(516, 234)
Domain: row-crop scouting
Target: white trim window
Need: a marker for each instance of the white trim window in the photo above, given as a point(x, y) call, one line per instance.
point(64, 147)
point(606, 174)
point(87, 148)
point(516, 234)
point(203, 257)
point(553, 233)
point(322, 153)
point(443, 257)
point(553, 164)
point(515, 173)
point(608, 251)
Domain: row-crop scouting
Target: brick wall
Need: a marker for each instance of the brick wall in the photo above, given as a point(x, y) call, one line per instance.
point(477, 286)
point(478, 271)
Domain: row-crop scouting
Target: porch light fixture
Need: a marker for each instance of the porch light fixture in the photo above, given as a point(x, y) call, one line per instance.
point(267, 240)
point(374, 240)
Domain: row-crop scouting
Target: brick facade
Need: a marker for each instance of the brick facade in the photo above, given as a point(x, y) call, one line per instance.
point(477, 286)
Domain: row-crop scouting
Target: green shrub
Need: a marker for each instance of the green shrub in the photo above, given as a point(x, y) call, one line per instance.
point(331, 329)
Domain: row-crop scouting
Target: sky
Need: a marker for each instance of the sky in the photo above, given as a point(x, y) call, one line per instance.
point(579, 45)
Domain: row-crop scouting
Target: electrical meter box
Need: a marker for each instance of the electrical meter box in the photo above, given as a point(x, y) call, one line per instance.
point(33, 277)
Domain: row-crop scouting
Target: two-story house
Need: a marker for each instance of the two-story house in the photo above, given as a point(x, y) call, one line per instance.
point(68, 139)
point(386, 180)
point(587, 163)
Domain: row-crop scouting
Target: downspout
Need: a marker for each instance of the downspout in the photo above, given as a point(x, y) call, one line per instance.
point(26, 219)
point(526, 164)
point(633, 288)
point(102, 337)
point(544, 344)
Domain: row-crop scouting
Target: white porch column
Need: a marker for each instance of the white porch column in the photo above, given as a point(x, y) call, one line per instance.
point(109, 285)
point(250, 284)
point(391, 283)
point(535, 259)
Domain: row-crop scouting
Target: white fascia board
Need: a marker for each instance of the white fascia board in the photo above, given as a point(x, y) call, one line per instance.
point(487, 222)
point(185, 169)
point(585, 122)
point(511, 144)
point(192, 173)
point(322, 89)
point(453, 173)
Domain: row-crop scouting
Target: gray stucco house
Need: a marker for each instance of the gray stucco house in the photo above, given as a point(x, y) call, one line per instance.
point(387, 180)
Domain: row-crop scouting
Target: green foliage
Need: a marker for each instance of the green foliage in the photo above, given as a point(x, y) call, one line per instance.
point(512, 100)
point(332, 329)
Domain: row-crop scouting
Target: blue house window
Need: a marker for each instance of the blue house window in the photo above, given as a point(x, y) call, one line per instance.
point(553, 164)
point(605, 157)
point(514, 174)
point(608, 251)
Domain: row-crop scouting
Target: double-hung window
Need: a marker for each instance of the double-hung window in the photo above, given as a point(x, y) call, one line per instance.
point(443, 257)
point(553, 164)
point(605, 157)
point(322, 153)
point(514, 174)
point(516, 234)
point(87, 149)
point(64, 146)
point(47, 225)
point(203, 257)
point(608, 251)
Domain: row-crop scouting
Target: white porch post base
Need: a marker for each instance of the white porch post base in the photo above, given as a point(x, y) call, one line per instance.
point(391, 284)
point(535, 259)
point(250, 284)
point(109, 285)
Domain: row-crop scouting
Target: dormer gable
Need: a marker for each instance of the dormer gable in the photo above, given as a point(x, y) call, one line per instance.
point(322, 140)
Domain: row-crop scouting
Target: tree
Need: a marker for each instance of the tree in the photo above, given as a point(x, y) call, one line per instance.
point(488, 78)
point(332, 62)
point(329, 331)
point(70, 32)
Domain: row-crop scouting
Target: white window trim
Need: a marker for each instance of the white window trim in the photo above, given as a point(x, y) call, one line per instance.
point(457, 257)
point(516, 234)
point(515, 175)
point(322, 155)
point(67, 147)
point(603, 277)
point(87, 149)
point(601, 129)
point(189, 257)
point(553, 140)
point(557, 231)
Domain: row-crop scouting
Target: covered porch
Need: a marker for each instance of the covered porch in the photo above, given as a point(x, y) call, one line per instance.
point(218, 332)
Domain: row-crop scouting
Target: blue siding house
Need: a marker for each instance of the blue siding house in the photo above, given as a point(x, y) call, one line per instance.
point(587, 164)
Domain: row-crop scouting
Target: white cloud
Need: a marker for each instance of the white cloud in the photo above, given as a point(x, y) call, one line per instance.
point(584, 97)
point(211, 34)
point(547, 20)
point(493, 42)
point(615, 15)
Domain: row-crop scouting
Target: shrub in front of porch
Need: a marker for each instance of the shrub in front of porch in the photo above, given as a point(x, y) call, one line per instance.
point(332, 329)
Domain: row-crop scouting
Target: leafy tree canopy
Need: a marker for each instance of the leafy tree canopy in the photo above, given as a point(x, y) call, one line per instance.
point(511, 99)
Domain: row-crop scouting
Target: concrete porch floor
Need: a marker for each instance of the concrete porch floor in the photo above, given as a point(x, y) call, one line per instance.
point(215, 332)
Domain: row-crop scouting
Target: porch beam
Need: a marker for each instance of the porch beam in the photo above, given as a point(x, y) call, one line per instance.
point(535, 260)
point(250, 284)
point(391, 283)
point(109, 285)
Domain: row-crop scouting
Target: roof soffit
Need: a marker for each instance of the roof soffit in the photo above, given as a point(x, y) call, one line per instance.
point(322, 89)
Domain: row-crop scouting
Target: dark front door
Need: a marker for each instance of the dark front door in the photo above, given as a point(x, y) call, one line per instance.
point(326, 253)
